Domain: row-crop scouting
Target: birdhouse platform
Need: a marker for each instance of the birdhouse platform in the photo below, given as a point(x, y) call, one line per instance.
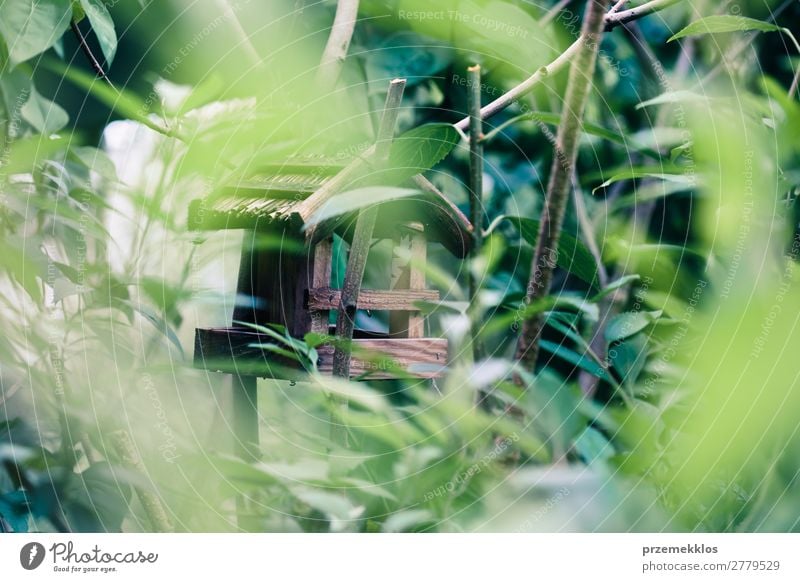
point(286, 285)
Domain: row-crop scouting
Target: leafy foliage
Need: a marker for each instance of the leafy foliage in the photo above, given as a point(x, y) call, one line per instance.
point(665, 397)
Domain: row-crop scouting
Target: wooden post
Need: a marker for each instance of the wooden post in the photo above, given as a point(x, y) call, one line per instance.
point(321, 277)
point(245, 388)
point(408, 272)
point(362, 238)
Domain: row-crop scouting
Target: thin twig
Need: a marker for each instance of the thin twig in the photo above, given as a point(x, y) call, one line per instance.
point(344, 23)
point(613, 19)
point(564, 157)
point(93, 62)
point(618, 6)
point(553, 12)
point(362, 237)
point(475, 194)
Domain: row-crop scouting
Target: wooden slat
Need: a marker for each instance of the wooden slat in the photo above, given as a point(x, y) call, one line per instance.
point(321, 278)
point(231, 350)
point(392, 358)
point(375, 299)
point(408, 274)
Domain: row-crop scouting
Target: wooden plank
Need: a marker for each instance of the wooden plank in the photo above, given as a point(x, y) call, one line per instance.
point(321, 278)
point(416, 279)
point(231, 350)
point(392, 358)
point(375, 299)
point(408, 274)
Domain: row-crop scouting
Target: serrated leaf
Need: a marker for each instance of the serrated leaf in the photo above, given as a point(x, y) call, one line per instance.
point(103, 27)
point(724, 23)
point(420, 149)
point(30, 27)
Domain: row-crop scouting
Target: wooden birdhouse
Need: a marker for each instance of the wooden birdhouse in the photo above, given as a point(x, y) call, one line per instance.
point(288, 282)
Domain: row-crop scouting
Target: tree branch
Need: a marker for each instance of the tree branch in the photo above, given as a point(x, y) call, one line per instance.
point(475, 194)
point(344, 24)
point(362, 238)
point(565, 154)
point(611, 20)
point(87, 51)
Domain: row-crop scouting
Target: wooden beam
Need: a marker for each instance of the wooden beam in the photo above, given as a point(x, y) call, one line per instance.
point(362, 238)
point(375, 299)
point(408, 275)
point(321, 278)
point(391, 358)
point(230, 349)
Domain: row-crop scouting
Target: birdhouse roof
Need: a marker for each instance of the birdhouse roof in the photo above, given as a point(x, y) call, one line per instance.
point(270, 199)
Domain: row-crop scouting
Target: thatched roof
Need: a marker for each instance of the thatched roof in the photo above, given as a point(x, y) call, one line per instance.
point(269, 200)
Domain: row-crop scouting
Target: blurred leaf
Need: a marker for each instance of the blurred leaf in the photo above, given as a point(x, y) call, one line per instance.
point(103, 27)
point(724, 23)
point(615, 285)
point(96, 500)
point(581, 361)
point(629, 143)
point(656, 172)
point(573, 256)
point(592, 446)
point(627, 324)
point(354, 200)
point(399, 57)
point(409, 520)
point(30, 27)
point(44, 115)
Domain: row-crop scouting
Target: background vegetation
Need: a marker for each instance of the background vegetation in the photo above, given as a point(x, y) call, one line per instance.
point(666, 390)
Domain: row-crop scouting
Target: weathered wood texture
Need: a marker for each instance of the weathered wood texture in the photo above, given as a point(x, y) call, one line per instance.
point(375, 299)
point(321, 279)
point(408, 275)
point(236, 350)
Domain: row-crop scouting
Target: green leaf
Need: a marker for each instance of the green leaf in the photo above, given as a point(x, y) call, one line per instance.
point(674, 97)
point(592, 446)
point(420, 149)
point(554, 119)
point(122, 102)
point(44, 115)
point(23, 101)
point(578, 360)
point(103, 27)
point(355, 200)
point(572, 256)
point(724, 23)
point(408, 520)
point(634, 173)
point(613, 286)
point(30, 27)
point(630, 323)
